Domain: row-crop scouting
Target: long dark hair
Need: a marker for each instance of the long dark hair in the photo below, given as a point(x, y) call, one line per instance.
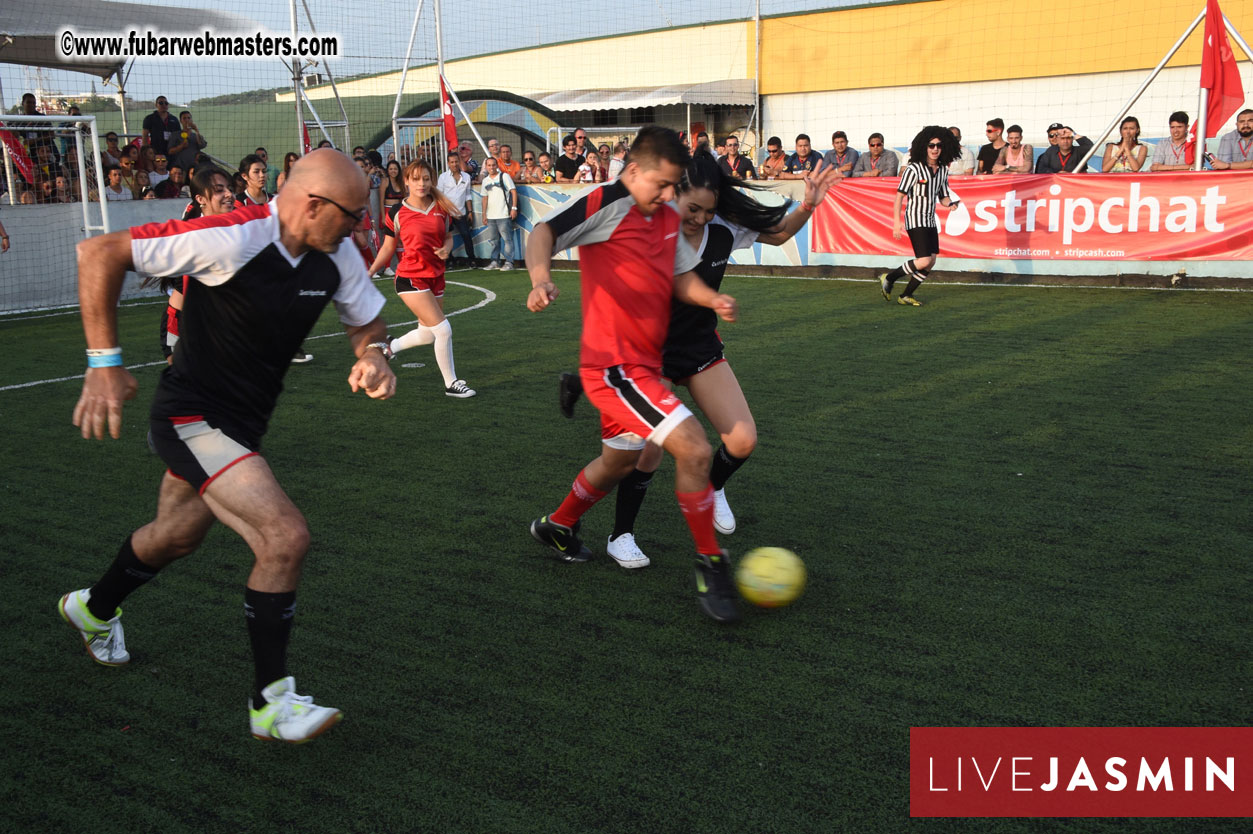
point(201, 185)
point(950, 148)
point(733, 204)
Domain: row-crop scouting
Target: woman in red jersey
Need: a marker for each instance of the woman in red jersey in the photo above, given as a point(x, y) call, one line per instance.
point(420, 222)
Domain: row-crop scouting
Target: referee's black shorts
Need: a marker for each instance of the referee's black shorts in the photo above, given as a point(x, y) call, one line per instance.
point(926, 241)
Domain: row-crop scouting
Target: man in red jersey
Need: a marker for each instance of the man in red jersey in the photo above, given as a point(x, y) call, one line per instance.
point(632, 261)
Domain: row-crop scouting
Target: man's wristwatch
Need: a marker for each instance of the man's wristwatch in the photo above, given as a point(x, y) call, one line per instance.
point(384, 347)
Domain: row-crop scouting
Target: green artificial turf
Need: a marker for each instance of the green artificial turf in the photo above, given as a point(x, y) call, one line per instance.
point(1017, 506)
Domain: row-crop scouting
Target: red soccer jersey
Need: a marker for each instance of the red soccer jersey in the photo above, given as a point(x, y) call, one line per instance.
point(421, 233)
point(627, 262)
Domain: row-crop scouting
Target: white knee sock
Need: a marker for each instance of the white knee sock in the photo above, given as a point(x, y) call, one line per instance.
point(441, 334)
point(420, 335)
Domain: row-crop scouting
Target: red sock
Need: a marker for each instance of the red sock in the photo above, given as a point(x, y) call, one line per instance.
point(581, 499)
point(698, 511)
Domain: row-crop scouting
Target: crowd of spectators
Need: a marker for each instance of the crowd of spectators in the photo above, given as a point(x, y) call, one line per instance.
point(159, 162)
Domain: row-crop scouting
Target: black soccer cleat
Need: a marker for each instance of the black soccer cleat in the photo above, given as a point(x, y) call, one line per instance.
point(569, 389)
point(715, 591)
point(564, 541)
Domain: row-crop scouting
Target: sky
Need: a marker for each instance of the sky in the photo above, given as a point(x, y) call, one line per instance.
point(374, 35)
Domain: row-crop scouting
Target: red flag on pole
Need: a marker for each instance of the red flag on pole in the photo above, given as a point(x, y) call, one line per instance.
point(445, 109)
point(18, 153)
point(1219, 72)
point(304, 128)
point(1220, 75)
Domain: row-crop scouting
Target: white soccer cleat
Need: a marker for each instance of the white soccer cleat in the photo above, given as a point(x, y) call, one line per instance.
point(724, 519)
point(289, 717)
point(104, 639)
point(626, 552)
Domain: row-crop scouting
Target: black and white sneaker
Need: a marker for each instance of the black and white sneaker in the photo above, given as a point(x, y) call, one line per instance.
point(564, 541)
point(569, 389)
point(302, 358)
point(715, 590)
point(460, 390)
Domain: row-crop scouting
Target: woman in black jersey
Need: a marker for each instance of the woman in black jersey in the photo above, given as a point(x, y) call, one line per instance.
point(717, 217)
point(210, 195)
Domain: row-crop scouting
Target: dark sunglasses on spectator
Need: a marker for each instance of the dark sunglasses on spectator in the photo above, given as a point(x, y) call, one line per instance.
point(1052, 135)
point(935, 145)
point(876, 144)
point(528, 159)
point(992, 130)
point(355, 215)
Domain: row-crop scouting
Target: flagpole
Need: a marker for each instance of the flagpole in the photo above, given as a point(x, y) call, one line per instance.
point(1202, 120)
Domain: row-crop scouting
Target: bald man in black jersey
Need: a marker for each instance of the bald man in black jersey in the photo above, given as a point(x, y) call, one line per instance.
point(261, 276)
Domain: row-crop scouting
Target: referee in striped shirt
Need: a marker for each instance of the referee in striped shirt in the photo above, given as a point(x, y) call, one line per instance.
point(924, 182)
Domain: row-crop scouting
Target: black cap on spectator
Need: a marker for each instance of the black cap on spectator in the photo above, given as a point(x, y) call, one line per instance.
point(1056, 126)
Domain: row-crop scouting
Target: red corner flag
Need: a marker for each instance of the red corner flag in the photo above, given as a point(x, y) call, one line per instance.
point(1219, 74)
point(450, 121)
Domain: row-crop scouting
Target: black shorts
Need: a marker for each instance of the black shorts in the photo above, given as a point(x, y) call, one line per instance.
point(679, 364)
point(926, 241)
point(198, 448)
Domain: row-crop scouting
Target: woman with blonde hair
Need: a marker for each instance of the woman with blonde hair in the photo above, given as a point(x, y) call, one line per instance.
point(420, 223)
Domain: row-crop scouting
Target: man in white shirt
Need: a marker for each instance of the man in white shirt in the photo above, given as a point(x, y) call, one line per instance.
point(116, 189)
point(455, 185)
point(500, 209)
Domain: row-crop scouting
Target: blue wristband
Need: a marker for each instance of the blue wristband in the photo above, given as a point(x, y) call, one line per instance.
point(111, 361)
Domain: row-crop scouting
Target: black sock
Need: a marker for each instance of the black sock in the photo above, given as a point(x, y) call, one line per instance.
point(269, 629)
point(895, 274)
point(914, 283)
point(631, 492)
point(123, 576)
point(724, 467)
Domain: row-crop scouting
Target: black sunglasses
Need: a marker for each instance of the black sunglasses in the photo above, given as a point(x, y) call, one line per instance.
point(876, 144)
point(935, 145)
point(357, 215)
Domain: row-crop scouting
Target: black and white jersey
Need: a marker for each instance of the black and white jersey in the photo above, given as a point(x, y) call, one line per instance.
point(696, 327)
point(923, 186)
point(249, 306)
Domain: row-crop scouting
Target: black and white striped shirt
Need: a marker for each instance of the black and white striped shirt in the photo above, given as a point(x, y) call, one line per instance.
point(923, 187)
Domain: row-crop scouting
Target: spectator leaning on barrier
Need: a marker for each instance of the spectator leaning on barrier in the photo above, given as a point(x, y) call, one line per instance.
point(187, 144)
point(455, 185)
point(802, 162)
point(1235, 149)
point(964, 164)
point(842, 158)
point(548, 174)
point(173, 185)
point(1064, 158)
point(568, 163)
point(581, 145)
point(1172, 155)
point(529, 172)
point(775, 162)
point(1015, 157)
point(989, 152)
point(159, 126)
point(1126, 156)
point(160, 170)
point(500, 209)
point(732, 164)
point(878, 162)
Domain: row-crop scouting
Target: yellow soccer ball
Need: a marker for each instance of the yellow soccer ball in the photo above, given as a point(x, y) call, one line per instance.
point(770, 577)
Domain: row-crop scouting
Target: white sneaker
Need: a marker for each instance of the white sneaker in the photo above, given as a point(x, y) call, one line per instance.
point(289, 717)
point(506, 266)
point(389, 273)
point(460, 390)
point(626, 552)
point(302, 358)
point(104, 639)
point(493, 265)
point(724, 519)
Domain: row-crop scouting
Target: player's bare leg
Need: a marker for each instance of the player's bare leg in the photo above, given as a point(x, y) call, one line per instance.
point(720, 397)
point(249, 500)
point(433, 328)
